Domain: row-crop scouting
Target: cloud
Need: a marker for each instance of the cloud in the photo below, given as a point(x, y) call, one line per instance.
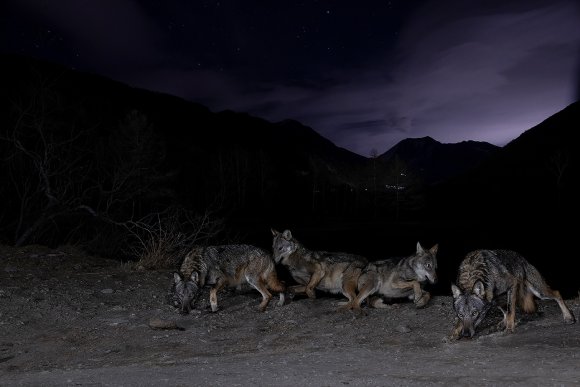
point(479, 73)
point(507, 68)
point(483, 70)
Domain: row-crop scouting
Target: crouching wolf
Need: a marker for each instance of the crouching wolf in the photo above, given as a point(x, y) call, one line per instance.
point(228, 265)
point(486, 274)
point(329, 272)
point(392, 278)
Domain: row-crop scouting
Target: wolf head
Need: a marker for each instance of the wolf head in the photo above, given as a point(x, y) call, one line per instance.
point(425, 264)
point(186, 291)
point(283, 245)
point(470, 307)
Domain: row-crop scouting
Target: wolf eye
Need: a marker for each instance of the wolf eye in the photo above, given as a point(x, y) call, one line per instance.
point(428, 266)
point(474, 313)
point(460, 315)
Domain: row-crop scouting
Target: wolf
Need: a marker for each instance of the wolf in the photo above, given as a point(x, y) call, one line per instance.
point(226, 265)
point(392, 278)
point(486, 274)
point(326, 271)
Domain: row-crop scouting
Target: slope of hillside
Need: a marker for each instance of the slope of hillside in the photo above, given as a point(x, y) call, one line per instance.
point(532, 176)
point(196, 157)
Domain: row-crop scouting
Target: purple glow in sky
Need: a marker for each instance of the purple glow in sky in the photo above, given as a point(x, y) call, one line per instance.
point(365, 75)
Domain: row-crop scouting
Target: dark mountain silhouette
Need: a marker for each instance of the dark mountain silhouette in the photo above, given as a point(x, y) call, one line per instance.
point(524, 198)
point(534, 176)
point(435, 162)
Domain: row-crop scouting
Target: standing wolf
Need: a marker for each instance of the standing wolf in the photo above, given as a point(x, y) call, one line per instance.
point(486, 274)
point(330, 272)
point(392, 278)
point(228, 265)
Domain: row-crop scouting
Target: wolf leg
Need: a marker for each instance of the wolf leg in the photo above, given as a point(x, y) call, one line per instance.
point(512, 297)
point(417, 291)
point(423, 300)
point(296, 289)
point(366, 285)
point(456, 333)
point(526, 299)
point(221, 282)
point(543, 291)
point(349, 291)
point(275, 285)
point(260, 286)
point(420, 298)
point(314, 281)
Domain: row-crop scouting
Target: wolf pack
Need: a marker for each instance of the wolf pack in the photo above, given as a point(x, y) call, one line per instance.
point(486, 279)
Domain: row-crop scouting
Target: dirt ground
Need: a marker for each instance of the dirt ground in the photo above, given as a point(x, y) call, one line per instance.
point(66, 318)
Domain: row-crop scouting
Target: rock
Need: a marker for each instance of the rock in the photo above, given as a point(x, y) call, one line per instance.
point(107, 291)
point(157, 323)
point(403, 329)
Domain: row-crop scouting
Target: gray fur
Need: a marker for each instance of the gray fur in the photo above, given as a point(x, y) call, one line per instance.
point(332, 272)
point(486, 274)
point(403, 278)
point(226, 265)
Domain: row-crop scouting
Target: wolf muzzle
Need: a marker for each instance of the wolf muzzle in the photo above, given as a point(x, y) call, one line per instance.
point(468, 331)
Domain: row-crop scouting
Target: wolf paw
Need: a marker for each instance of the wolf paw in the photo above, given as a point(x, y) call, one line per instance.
point(424, 300)
point(452, 338)
point(282, 300)
point(570, 320)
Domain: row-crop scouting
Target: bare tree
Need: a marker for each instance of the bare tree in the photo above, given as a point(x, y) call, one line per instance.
point(161, 240)
point(43, 164)
point(61, 169)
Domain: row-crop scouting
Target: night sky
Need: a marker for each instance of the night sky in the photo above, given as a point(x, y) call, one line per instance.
point(364, 74)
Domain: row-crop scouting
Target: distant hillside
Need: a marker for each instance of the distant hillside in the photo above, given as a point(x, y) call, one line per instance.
point(110, 135)
point(524, 198)
point(435, 162)
point(534, 176)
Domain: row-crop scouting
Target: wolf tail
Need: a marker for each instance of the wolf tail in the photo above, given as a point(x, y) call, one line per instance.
point(526, 299)
point(274, 283)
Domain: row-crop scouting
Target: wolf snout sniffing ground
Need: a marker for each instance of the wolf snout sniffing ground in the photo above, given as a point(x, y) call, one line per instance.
point(227, 265)
point(486, 274)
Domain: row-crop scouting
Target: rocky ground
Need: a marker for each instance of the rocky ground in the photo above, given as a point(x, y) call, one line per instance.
point(66, 318)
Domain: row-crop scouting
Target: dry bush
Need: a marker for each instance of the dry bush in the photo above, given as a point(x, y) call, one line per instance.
point(161, 240)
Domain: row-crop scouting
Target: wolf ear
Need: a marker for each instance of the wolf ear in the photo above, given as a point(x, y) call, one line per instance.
point(176, 278)
point(195, 276)
point(274, 232)
point(433, 250)
point(455, 290)
point(287, 235)
point(479, 289)
point(420, 248)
